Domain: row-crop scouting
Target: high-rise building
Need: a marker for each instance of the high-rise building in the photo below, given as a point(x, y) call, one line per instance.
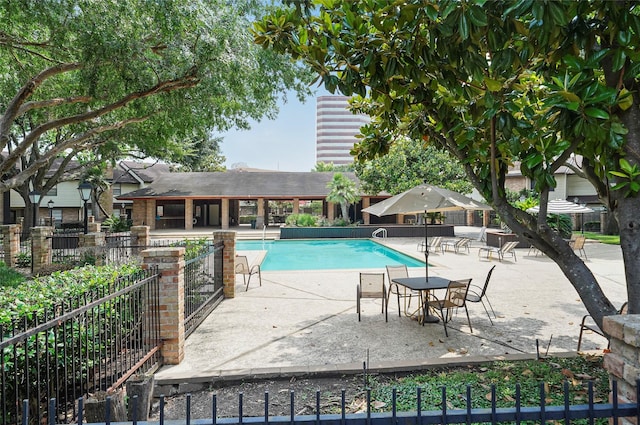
point(336, 128)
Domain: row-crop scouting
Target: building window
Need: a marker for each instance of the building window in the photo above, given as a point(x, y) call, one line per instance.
point(53, 191)
point(117, 189)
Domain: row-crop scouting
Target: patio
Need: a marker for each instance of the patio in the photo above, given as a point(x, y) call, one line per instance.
point(302, 321)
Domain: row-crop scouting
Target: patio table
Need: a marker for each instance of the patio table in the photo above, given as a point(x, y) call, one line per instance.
point(423, 285)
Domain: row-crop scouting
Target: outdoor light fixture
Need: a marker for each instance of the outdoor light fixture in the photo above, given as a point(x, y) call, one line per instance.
point(50, 205)
point(84, 189)
point(34, 198)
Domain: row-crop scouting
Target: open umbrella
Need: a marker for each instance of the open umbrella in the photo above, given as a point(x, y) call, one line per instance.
point(560, 206)
point(423, 199)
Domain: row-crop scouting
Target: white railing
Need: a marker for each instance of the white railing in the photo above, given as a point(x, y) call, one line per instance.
point(379, 233)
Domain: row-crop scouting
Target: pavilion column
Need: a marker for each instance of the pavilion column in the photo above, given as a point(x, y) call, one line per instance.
point(150, 214)
point(331, 211)
point(188, 214)
point(366, 203)
point(224, 213)
point(399, 218)
point(296, 205)
point(260, 219)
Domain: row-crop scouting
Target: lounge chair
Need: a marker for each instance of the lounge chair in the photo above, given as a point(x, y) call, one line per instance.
point(507, 248)
point(457, 245)
point(456, 297)
point(435, 244)
point(372, 286)
point(242, 267)
point(478, 294)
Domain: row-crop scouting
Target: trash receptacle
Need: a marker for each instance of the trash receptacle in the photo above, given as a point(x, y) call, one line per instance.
point(253, 224)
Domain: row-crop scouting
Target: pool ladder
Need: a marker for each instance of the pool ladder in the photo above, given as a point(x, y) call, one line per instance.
point(379, 233)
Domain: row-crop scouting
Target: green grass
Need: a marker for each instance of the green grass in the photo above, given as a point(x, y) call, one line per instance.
point(608, 239)
point(552, 372)
point(9, 277)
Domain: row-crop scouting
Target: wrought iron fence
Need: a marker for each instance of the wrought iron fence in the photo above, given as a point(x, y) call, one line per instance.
point(537, 413)
point(90, 343)
point(203, 284)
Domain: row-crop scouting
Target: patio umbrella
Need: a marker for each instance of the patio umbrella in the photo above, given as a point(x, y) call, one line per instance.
point(423, 199)
point(560, 206)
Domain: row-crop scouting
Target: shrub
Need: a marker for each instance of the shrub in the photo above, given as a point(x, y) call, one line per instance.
point(116, 224)
point(10, 277)
point(592, 226)
point(301, 220)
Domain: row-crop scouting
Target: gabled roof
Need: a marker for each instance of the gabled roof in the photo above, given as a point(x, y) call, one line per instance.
point(137, 172)
point(271, 184)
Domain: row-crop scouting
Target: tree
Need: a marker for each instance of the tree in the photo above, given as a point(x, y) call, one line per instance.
point(408, 164)
point(342, 191)
point(136, 77)
point(495, 83)
point(324, 167)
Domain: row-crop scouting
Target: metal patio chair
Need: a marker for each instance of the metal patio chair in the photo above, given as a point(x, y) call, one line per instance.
point(242, 267)
point(455, 298)
point(477, 294)
point(372, 286)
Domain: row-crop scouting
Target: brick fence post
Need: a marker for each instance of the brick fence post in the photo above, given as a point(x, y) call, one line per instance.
point(140, 234)
point(11, 243)
point(170, 263)
point(623, 362)
point(93, 243)
point(40, 247)
point(228, 260)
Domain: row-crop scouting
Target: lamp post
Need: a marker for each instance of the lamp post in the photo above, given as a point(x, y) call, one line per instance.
point(50, 206)
point(84, 189)
point(34, 198)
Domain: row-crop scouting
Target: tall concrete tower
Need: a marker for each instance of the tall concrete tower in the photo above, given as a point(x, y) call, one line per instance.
point(336, 128)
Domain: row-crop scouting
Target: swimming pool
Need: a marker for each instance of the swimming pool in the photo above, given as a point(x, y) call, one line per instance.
point(310, 254)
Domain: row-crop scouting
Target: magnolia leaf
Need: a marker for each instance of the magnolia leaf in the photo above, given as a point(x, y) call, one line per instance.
point(571, 97)
point(597, 113)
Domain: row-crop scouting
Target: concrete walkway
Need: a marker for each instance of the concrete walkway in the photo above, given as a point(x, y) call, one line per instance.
point(306, 321)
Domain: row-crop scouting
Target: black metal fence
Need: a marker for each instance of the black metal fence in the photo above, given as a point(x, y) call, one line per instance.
point(90, 343)
point(590, 413)
point(203, 285)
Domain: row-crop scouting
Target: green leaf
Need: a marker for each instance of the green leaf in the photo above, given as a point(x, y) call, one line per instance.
point(596, 113)
point(618, 60)
point(463, 27)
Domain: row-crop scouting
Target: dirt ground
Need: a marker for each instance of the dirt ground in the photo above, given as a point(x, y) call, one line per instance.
point(279, 394)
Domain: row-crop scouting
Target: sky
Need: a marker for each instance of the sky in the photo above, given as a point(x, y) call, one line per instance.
point(287, 143)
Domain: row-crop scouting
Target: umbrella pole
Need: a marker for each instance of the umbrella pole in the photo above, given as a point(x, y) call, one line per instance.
point(426, 245)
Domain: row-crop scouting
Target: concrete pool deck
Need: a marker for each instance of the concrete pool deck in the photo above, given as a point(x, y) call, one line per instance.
point(305, 321)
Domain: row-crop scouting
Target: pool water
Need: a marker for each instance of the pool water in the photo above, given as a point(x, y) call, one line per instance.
point(326, 254)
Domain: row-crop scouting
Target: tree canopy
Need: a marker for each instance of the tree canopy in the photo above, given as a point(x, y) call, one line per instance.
point(495, 83)
point(344, 192)
point(129, 78)
point(410, 163)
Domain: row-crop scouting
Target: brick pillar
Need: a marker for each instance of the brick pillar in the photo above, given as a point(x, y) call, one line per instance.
point(40, 247)
point(228, 260)
point(91, 244)
point(92, 225)
point(11, 243)
point(331, 211)
point(170, 263)
point(623, 361)
point(140, 234)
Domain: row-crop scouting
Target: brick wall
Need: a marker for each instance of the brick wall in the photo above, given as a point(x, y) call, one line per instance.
point(623, 360)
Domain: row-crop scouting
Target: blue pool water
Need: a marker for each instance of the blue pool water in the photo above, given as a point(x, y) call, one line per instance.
point(326, 254)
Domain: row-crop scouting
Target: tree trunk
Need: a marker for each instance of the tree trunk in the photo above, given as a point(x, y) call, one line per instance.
point(610, 225)
point(345, 211)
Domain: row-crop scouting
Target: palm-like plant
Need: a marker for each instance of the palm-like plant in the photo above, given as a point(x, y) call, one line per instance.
point(342, 191)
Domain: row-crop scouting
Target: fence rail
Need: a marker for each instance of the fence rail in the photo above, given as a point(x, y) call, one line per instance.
point(88, 344)
point(539, 413)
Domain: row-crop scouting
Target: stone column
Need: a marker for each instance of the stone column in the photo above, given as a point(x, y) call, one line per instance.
point(188, 214)
point(366, 203)
point(296, 206)
point(623, 360)
point(331, 207)
point(140, 234)
point(92, 225)
point(11, 243)
point(228, 260)
point(91, 244)
point(40, 248)
point(224, 213)
point(170, 263)
point(260, 218)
